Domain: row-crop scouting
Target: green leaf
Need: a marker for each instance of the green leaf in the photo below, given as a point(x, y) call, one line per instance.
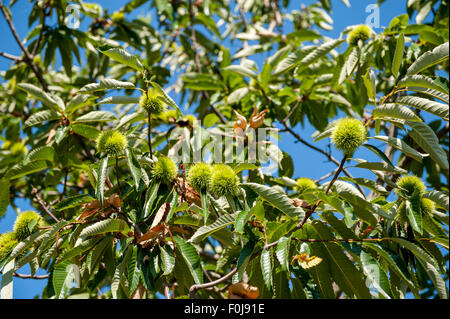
point(387, 256)
point(167, 98)
point(209, 23)
point(96, 116)
point(105, 226)
point(237, 95)
point(241, 220)
point(62, 279)
point(377, 276)
point(42, 96)
point(266, 268)
point(134, 166)
point(150, 196)
point(440, 198)
point(382, 167)
point(6, 291)
point(417, 251)
point(72, 202)
point(20, 169)
point(414, 217)
point(78, 101)
point(398, 55)
point(120, 100)
point(430, 58)
point(221, 222)
point(4, 195)
point(191, 257)
point(134, 271)
point(401, 146)
point(421, 81)
point(242, 70)
point(107, 84)
point(370, 84)
point(168, 261)
point(377, 151)
point(41, 117)
point(345, 269)
point(122, 56)
point(282, 252)
point(425, 137)
point(372, 185)
point(395, 111)
point(87, 131)
point(427, 105)
point(80, 248)
point(319, 52)
point(277, 199)
point(436, 279)
point(46, 153)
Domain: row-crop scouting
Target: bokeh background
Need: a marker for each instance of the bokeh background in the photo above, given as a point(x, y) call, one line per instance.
point(307, 163)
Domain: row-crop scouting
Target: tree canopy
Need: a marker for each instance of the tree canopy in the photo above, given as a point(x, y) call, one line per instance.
point(133, 197)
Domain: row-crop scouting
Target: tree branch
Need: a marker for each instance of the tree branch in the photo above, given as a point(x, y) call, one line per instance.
point(42, 203)
point(195, 288)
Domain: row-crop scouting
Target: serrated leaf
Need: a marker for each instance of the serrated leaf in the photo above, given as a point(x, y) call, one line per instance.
point(382, 167)
point(241, 70)
point(412, 81)
point(87, 131)
point(430, 58)
point(41, 117)
point(425, 137)
point(282, 252)
point(41, 95)
point(427, 105)
point(266, 268)
point(120, 100)
point(191, 257)
point(105, 226)
point(21, 169)
point(101, 179)
point(4, 195)
point(277, 199)
point(436, 279)
point(401, 146)
point(167, 98)
point(134, 166)
point(398, 55)
point(62, 279)
point(414, 217)
point(168, 261)
point(106, 84)
point(438, 197)
point(122, 56)
point(46, 153)
point(6, 291)
point(96, 116)
point(416, 250)
point(395, 111)
point(73, 201)
point(221, 222)
point(77, 102)
point(376, 275)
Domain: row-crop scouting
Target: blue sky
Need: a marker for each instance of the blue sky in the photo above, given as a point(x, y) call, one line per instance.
point(307, 162)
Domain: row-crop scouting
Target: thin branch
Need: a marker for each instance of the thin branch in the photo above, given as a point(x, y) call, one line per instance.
point(42, 203)
point(197, 60)
point(195, 288)
point(28, 56)
point(23, 276)
point(10, 56)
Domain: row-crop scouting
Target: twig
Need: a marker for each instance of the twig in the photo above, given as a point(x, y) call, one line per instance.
point(195, 288)
point(23, 276)
point(28, 56)
point(197, 60)
point(10, 56)
point(42, 203)
point(149, 134)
